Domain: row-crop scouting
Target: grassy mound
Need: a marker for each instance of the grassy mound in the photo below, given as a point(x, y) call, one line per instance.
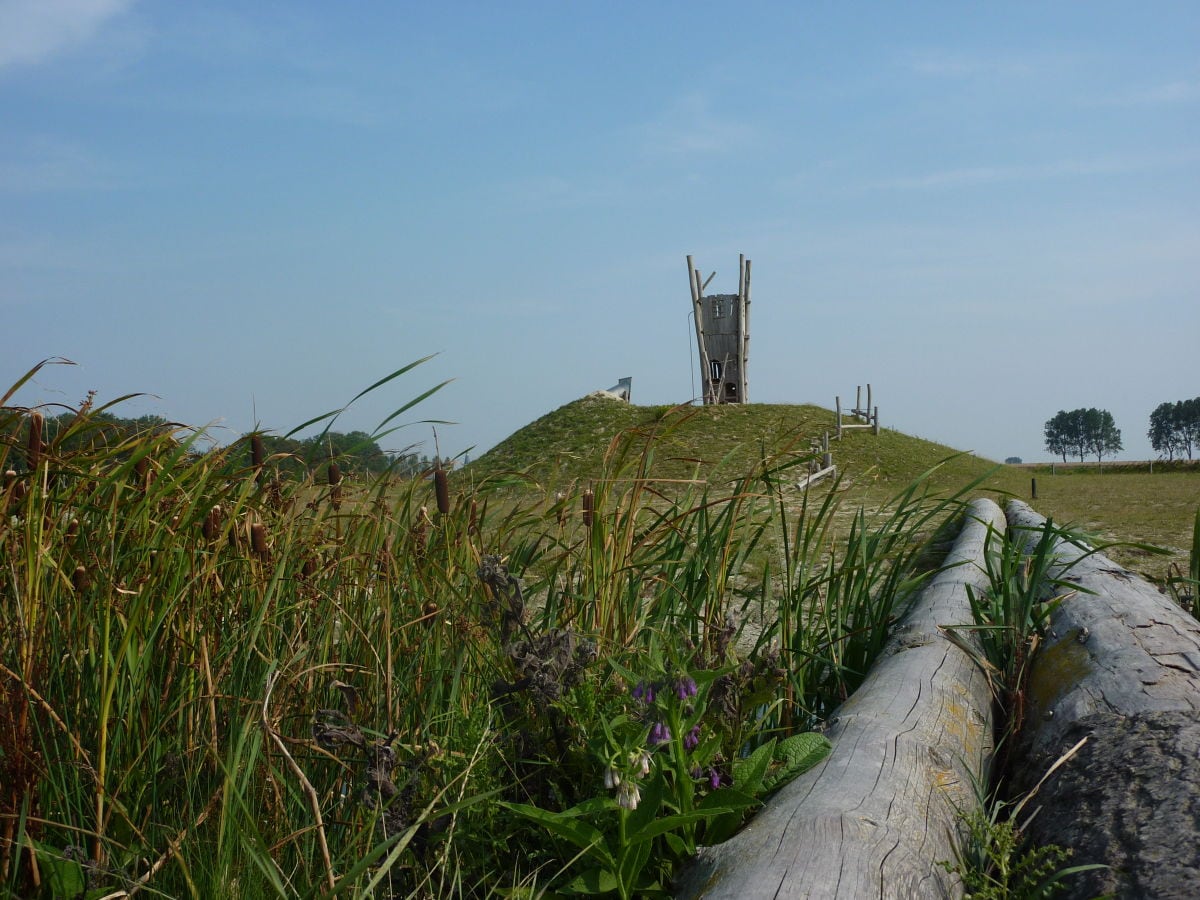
point(715, 444)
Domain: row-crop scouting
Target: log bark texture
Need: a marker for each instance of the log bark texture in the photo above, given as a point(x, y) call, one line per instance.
point(1120, 665)
point(874, 819)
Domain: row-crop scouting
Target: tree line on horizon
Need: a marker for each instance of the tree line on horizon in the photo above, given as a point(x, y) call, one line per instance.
point(1174, 431)
point(356, 452)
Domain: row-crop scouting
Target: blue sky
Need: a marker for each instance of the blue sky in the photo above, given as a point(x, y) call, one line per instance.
point(253, 211)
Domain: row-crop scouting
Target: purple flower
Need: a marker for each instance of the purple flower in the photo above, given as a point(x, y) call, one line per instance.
point(691, 740)
point(685, 688)
point(716, 778)
point(659, 734)
point(644, 693)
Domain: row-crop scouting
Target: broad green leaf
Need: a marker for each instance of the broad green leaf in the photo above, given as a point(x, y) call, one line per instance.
point(748, 772)
point(64, 877)
point(633, 862)
point(593, 881)
point(581, 834)
point(727, 798)
point(648, 806)
point(799, 753)
point(670, 823)
point(678, 847)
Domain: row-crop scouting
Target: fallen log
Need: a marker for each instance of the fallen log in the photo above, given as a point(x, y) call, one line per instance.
point(877, 816)
point(1121, 666)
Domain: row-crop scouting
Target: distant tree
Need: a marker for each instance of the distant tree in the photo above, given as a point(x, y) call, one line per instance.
point(356, 451)
point(1014, 461)
point(1162, 434)
point(1175, 428)
point(1100, 433)
point(1189, 419)
point(1082, 433)
point(1065, 434)
point(1055, 432)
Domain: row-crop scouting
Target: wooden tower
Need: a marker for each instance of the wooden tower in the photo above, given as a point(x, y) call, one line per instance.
point(723, 335)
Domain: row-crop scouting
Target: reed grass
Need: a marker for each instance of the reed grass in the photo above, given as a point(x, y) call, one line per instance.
point(220, 681)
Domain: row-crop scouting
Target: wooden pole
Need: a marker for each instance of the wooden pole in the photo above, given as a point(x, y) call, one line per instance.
point(838, 402)
point(746, 335)
point(710, 395)
point(875, 429)
point(698, 310)
point(869, 406)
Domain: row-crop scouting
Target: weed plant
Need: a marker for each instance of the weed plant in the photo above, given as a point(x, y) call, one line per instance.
point(993, 860)
point(1184, 587)
point(1011, 614)
point(217, 680)
point(1027, 581)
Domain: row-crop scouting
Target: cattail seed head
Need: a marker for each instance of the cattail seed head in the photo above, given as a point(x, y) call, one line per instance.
point(141, 469)
point(309, 568)
point(212, 524)
point(80, 579)
point(442, 488)
point(560, 501)
point(335, 480)
point(258, 538)
point(34, 447)
point(258, 456)
point(589, 506)
point(72, 529)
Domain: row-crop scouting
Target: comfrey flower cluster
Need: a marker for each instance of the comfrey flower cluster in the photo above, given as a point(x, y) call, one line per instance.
point(665, 705)
point(625, 783)
point(646, 694)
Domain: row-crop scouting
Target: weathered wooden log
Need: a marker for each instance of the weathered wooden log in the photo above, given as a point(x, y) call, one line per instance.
point(809, 480)
point(1120, 665)
point(877, 816)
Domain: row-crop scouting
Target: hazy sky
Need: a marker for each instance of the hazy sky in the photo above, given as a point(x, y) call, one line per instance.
point(990, 212)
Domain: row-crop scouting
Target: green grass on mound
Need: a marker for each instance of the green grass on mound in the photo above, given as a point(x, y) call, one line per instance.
point(721, 444)
point(717, 444)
